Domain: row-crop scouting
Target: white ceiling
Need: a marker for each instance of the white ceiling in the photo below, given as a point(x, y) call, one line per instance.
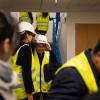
point(49, 5)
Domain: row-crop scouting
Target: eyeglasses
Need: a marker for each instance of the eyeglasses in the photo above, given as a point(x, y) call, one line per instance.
point(41, 45)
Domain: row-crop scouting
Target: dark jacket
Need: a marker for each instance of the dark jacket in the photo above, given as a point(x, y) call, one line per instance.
point(69, 85)
point(51, 60)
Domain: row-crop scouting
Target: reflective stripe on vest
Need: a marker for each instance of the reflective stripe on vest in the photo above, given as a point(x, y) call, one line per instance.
point(81, 64)
point(20, 74)
point(23, 16)
point(20, 89)
point(42, 23)
point(44, 85)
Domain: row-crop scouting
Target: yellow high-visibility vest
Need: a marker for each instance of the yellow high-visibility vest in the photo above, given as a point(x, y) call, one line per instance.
point(23, 16)
point(44, 85)
point(42, 23)
point(81, 64)
point(20, 89)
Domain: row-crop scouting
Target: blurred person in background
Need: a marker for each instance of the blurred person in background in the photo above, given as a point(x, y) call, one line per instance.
point(42, 19)
point(8, 38)
point(26, 17)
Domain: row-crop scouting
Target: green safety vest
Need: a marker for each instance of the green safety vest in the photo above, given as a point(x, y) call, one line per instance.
point(44, 85)
point(81, 64)
point(20, 89)
point(42, 23)
point(23, 16)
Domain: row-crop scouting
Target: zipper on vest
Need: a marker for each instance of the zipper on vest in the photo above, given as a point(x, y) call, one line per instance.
point(40, 80)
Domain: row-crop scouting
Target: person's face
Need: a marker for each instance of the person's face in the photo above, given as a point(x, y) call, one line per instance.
point(33, 38)
point(7, 49)
point(96, 60)
point(30, 38)
point(40, 47)
point(8, 46)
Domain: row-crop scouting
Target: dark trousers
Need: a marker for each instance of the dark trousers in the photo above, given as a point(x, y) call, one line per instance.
point(40, 96)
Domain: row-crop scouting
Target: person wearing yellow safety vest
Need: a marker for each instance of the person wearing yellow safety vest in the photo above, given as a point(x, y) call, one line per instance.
point(42, 19)
point(23, 62)
point(42, 58)
point(26, 17)
point(77, 77)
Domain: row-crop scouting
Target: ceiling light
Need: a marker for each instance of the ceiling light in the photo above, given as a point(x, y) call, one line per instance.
point(55, 1)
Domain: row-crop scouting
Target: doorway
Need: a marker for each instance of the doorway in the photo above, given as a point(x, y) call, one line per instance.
point(87, 36)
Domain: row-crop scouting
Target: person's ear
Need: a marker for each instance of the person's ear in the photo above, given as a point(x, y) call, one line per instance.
point(6, 49)
point(6, 45)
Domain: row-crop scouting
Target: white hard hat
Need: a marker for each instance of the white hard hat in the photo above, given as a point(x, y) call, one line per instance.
point(43, 39)
point(25, 26)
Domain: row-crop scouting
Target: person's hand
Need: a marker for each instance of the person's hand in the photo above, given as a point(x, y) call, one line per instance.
point(30, 97)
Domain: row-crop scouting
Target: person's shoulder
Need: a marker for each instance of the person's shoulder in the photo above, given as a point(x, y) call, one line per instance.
point(71, 77)
point(63, 74)
point(68, 71)
point(25, 48)
point(69, 74)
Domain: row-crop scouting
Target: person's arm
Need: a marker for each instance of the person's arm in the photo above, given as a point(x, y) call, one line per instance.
point(67, 85)
point(50, 69)
point(31, 17)
point(51, 18)
point(52, 57)
point(24, 59)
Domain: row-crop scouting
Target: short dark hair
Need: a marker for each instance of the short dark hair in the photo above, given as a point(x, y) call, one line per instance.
point(45, 14)
point(7, 26)
point(97, 47)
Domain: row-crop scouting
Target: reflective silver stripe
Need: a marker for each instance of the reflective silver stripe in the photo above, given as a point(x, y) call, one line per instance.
point(24, 18)
point(42, 82)
point(42, 23)
point(39, 74)
point(19, 75)
point(32, 71)
point(19, 86)
point(43, 26)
